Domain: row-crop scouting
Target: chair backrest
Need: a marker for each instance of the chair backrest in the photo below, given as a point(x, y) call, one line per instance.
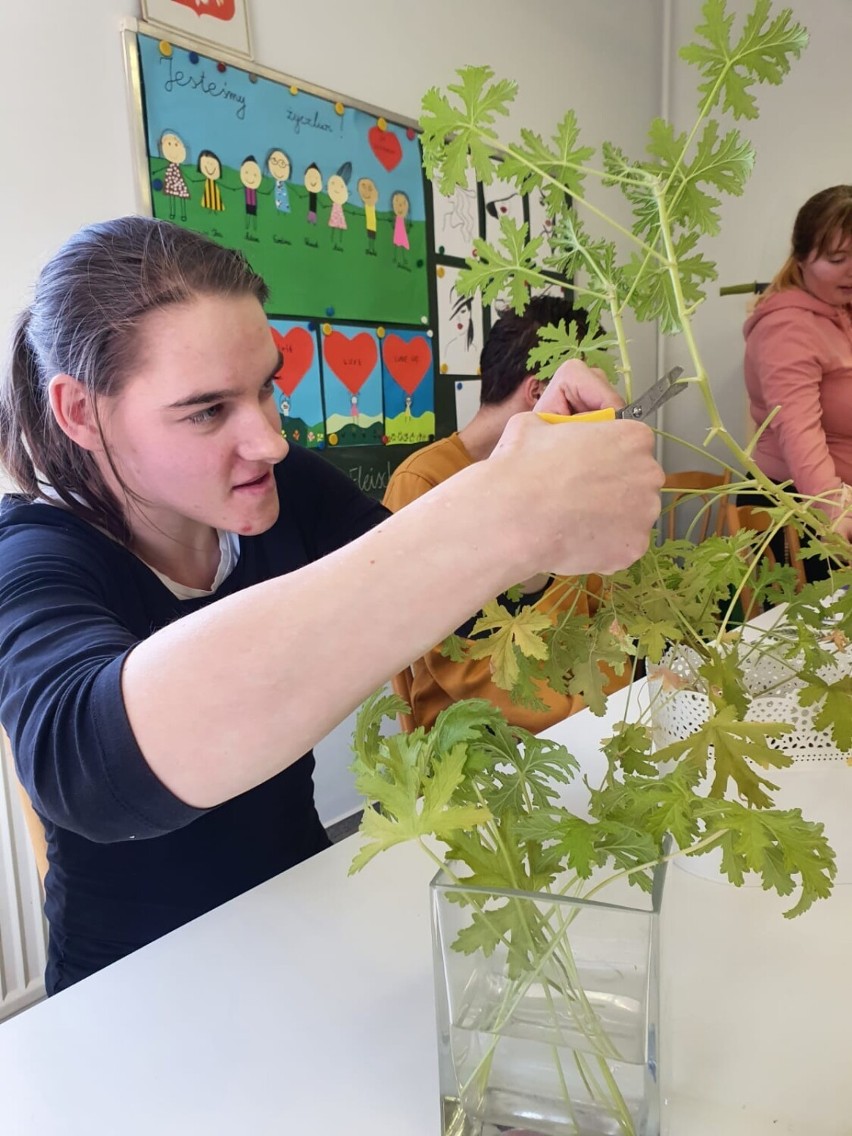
point(401, 684)
point(758, 520)
point(694, 487)
point(35, 828)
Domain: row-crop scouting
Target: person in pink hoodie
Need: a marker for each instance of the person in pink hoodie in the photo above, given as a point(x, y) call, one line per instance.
point(798, 357)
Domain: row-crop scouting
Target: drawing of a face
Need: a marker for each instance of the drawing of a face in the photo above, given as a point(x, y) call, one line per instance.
point(313, 179)
point(462, 316)
point(367, 191)
point(171, 147)
point(209, 165)
point(338, 191)
point(279, 165)
point(250, 174)
point(399, 204)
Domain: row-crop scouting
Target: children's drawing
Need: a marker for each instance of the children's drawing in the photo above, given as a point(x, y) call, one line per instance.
point(369, 195)
point(174, 183)
point(456, 219)
point(467, 393)
point(400, 206)
point(313, 184)
point(338, 192)
point(409, 387)
point(299, 142)
point(220, 22)
point(278, 165)
point(501, 200)
point(211, 169)
point(460, 334)
point(251, 177)
point(298, 384)
point(352, 387)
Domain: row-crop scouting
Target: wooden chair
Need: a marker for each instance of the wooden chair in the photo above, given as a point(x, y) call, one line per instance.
point(694, 486)
point(35, 829)
point(758, 520)
point(401, 684)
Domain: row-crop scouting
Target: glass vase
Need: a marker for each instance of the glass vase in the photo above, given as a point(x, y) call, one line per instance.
point(548, 1011)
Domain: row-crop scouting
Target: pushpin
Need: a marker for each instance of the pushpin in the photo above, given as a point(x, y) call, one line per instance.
point(220, 67)
point(165, 48)
point(329, 311)
point(380, 332)
point(193, 57)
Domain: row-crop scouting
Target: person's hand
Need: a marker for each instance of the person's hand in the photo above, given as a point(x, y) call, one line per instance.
point(580, 497)
point(576, 388)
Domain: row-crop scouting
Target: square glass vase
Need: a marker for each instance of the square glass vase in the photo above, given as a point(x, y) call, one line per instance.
point(547, 1010)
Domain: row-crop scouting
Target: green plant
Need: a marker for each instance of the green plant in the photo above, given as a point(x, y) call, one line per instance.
point(491, 793)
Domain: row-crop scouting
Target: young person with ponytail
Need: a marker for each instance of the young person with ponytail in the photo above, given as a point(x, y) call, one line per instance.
point(798, 363)
point(177, 624)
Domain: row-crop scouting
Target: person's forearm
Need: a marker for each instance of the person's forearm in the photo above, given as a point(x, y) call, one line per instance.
point(227, 697)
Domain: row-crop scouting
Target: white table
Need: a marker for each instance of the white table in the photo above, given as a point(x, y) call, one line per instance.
point(306, 1006)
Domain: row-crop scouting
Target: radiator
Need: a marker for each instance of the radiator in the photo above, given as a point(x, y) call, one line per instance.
point(23, 934)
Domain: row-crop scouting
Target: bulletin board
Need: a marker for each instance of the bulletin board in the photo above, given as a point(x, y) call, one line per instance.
point(327, 200)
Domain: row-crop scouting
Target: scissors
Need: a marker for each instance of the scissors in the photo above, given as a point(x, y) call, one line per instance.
point(653, 398)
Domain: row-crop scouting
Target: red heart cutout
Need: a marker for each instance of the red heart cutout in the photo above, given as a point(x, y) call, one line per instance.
point(297, 351)
point(352, 360)
point(386, 146)
point(407, 360)
point(221, 10)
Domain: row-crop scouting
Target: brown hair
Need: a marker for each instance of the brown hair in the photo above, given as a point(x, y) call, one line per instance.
point(90, 305)
point(503, 362)
point(823, 219)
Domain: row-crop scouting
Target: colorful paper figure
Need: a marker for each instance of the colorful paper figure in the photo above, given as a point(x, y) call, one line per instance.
point(298, 383)
point(174, 183)
point(210, 166)
point(369, 195)
point(409, 387)
point(400, 206)
point(338, 192)
point(278, 165)
point(352, 387)
point(251, 178)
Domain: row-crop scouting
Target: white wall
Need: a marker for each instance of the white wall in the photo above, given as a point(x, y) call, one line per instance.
point(66, 143)
point(802, 139)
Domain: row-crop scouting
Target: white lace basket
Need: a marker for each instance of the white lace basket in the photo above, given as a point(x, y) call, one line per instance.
point(819, 782)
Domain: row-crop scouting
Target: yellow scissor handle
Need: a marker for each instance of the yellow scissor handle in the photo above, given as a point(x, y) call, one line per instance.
point(605, 415)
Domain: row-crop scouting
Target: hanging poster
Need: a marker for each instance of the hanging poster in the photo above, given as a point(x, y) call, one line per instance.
point(352, 386)
point(460, 334)
point(409, 395)
point(326, 201)
point(298, 383)
point(223, 23)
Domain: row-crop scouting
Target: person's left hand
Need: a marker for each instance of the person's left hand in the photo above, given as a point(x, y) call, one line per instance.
point(576, 388)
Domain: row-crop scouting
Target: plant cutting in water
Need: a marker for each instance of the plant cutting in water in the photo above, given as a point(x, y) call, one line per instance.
point(490, 792)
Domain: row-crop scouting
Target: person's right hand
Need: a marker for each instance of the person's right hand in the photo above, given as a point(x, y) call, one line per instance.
point(582, 497)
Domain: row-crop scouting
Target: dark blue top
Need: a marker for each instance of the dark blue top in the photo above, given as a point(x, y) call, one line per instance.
point(129, 861)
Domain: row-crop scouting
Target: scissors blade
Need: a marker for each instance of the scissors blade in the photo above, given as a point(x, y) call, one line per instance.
point(654, 397)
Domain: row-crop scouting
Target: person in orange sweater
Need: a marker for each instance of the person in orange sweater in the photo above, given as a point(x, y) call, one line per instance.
point(509, 387)
point(798, 357)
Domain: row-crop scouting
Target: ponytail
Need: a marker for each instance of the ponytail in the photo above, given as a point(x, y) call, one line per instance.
point(20, 410)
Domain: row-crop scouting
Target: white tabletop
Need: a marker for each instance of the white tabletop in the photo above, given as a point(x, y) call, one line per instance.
point(306, 1006)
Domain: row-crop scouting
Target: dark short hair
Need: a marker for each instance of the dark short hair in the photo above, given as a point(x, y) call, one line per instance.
point(91, 302)
point(503, 363)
